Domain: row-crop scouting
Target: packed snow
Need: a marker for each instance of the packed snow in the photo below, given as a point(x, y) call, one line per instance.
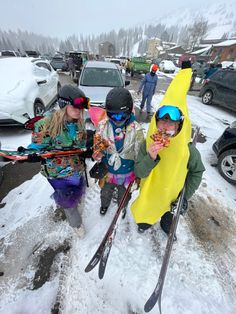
point(201, 275)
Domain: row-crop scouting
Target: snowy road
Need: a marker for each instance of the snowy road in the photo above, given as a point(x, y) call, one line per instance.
point(201, 276)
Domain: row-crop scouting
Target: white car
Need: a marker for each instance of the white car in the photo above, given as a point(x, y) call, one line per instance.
point(28, 87)
point(98, 78)
point(167, 66)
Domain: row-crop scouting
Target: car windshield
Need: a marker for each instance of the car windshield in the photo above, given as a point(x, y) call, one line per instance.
point(101, 77)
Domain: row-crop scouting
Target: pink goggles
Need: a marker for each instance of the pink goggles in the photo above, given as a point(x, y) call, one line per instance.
point(79, 103)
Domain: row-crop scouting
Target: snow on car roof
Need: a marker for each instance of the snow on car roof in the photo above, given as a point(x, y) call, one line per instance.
point(100, 64)
point(13, 71)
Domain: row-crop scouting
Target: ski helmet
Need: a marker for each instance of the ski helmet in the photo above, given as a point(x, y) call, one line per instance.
point(119, 99)
point(74, 96)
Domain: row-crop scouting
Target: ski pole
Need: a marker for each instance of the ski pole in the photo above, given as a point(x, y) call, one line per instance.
point(156, 295)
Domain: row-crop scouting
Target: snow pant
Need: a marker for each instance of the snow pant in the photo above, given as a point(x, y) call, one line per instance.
point(107, 194)
point(148, 99)
point(68, 194)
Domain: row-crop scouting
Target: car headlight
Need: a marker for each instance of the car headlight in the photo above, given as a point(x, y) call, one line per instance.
point(233, 125)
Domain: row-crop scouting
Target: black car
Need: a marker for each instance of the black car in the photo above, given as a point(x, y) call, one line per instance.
point(220, 89)
point(225, 150)
point(58, 63)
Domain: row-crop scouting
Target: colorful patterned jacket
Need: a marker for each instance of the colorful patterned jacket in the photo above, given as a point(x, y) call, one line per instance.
point(73, 137)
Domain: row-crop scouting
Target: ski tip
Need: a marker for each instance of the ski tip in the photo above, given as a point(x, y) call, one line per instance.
point(149, 305)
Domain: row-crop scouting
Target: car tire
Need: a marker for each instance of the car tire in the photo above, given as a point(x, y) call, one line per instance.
point(227, 165)
point(207, 97)
point(39, 109)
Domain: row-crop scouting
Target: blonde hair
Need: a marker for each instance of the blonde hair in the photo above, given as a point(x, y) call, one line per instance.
point(55, 124)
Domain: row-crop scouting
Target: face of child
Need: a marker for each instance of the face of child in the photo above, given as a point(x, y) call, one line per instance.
point(169, 126)
point(73, 113)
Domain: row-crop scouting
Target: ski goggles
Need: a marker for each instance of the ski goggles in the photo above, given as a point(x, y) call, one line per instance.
point(118, 116)
point(79, 103)
point(169, 112)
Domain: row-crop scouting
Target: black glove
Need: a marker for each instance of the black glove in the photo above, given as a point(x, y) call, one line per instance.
point(21, 149)
point(87, 154)
point(183, 209)
point(34, 158)
point(186, 64)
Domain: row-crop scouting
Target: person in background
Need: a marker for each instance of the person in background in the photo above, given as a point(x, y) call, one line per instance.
point(124, 135)
point(194, 75)
point(128, 67)
point(71, 67)
point(64, 129)
point(148, 88)
point(211, 70)
point(166, 158)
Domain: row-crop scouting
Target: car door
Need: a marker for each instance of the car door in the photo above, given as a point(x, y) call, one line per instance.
point(48, 88)
point(230, 90)
point(218, 86)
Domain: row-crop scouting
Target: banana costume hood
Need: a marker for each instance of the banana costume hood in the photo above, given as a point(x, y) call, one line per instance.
point(166, 180)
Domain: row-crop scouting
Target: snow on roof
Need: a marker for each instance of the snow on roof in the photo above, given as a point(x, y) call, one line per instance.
point(197, 52)
point(174, 47)
point(226, 43)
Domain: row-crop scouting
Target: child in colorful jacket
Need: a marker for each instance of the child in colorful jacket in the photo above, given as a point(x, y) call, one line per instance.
point(124, 135)
point(62, 130)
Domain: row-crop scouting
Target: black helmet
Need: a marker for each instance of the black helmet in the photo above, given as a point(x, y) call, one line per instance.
point(68, 93)
point(119, 99)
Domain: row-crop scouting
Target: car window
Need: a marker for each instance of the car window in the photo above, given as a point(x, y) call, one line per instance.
point(44, 65)
point(230, 79)
point(219, 75)
point(101, 77)
point(8, 54)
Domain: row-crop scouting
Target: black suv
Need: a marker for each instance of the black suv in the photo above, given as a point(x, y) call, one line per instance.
point(225, 149)
point(220, 89)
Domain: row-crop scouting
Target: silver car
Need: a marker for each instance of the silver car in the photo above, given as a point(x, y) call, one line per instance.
point(98, 78)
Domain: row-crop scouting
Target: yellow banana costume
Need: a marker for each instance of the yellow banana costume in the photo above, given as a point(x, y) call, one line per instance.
point(166, 180)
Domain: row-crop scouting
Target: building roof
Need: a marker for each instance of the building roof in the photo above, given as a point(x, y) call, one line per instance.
point(226, 43)
point(200, 51)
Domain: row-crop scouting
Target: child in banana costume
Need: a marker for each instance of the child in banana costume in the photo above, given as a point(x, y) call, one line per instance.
point(166, 158)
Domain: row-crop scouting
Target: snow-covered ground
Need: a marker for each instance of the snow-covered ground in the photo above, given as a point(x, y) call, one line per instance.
point(201, 275)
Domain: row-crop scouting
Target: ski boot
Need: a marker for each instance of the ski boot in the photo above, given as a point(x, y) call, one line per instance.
point(103, 210)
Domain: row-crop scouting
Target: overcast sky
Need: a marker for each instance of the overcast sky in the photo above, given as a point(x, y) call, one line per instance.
point(61, 18)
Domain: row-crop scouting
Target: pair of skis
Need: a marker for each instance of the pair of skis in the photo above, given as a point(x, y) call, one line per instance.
point(104, 248)
point(102, 254)
point(157, 293)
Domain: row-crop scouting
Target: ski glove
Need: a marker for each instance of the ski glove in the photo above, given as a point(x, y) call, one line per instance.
point(21, 149)
point(34, 158)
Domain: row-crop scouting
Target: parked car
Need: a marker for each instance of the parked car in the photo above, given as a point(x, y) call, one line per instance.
point(59, 63)
point(32, 53)
point(10, 53)
point(28, 87)
point(225, 150)
point(167, 66)
point(220, 89)
point(139, 65)
point(98, 78)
